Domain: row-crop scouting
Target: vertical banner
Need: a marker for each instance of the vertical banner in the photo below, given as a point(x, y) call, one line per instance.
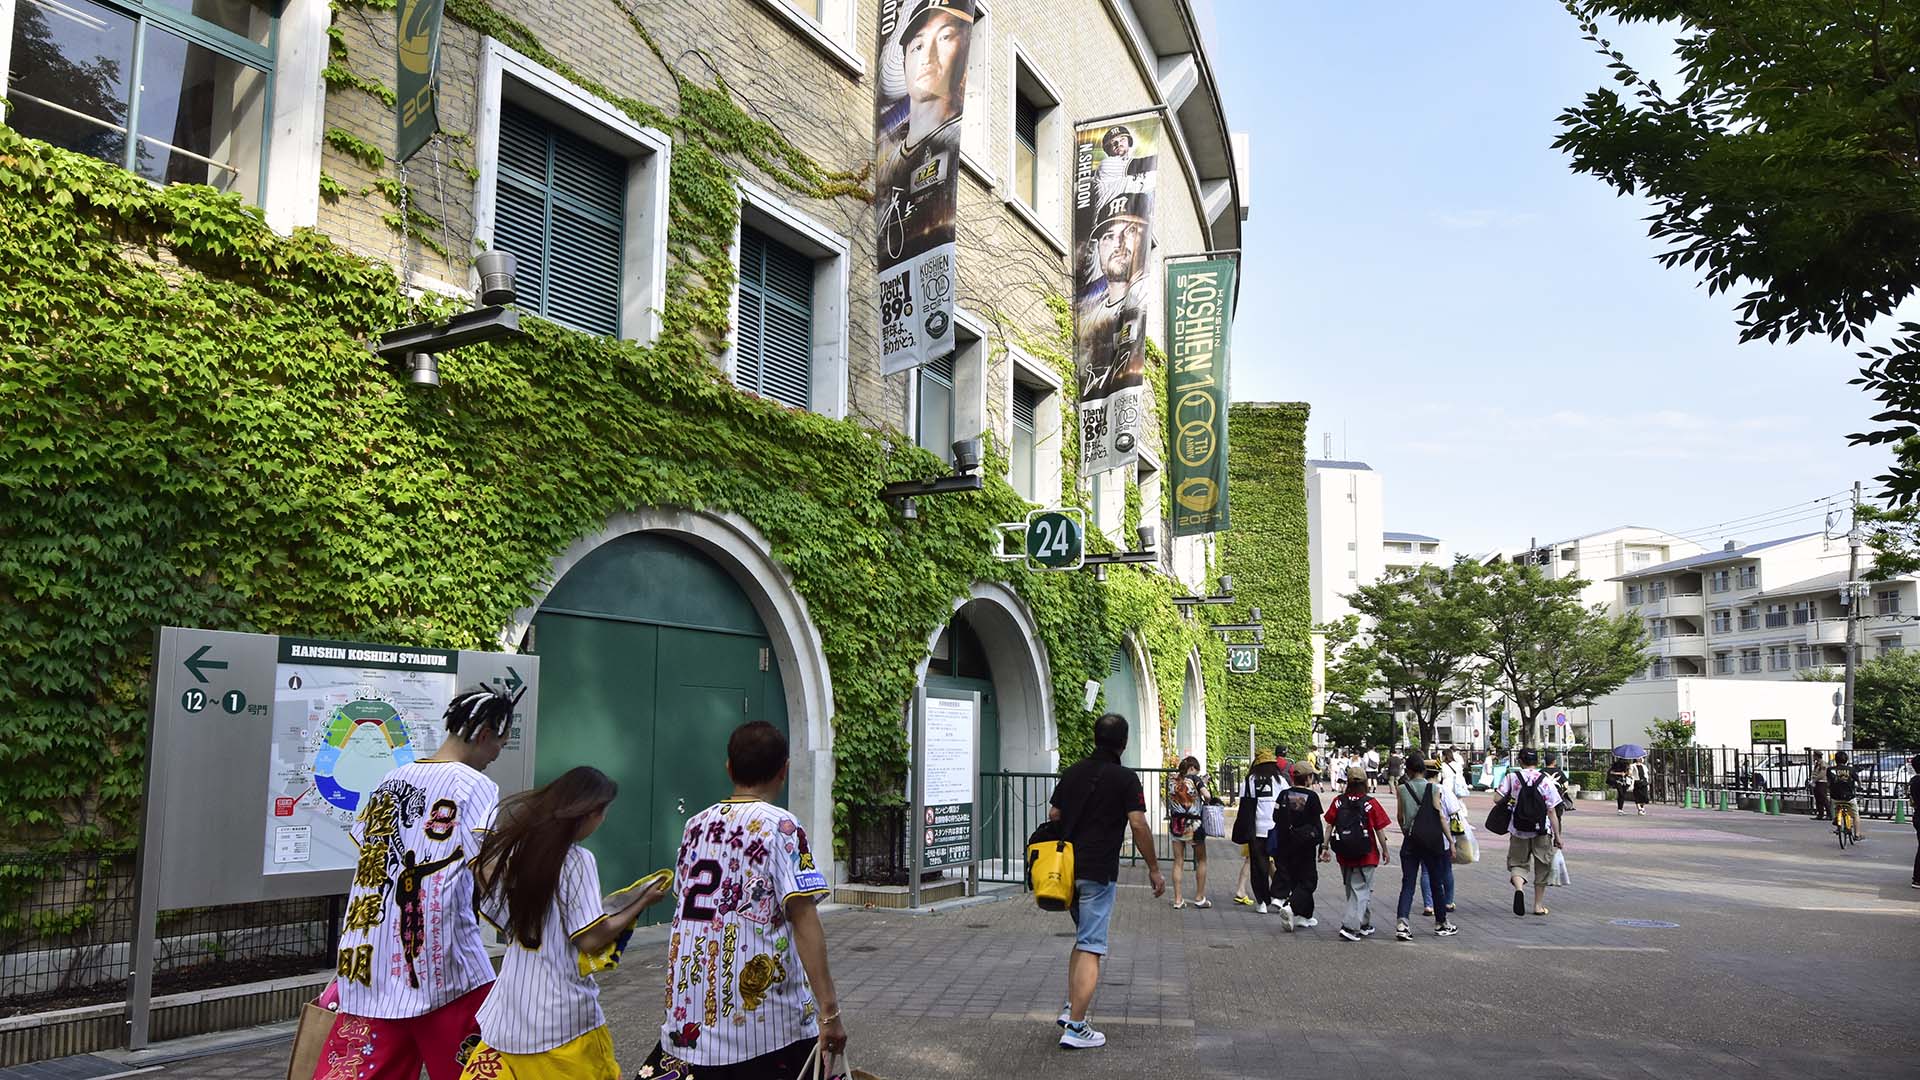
point(1115, 166)
point(1199, 322)
point(418, 42)
point(921, 91)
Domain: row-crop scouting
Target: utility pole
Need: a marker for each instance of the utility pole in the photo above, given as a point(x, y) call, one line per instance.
point(1853, 616)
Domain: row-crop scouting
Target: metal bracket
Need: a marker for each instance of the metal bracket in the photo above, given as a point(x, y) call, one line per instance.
point(466, 328)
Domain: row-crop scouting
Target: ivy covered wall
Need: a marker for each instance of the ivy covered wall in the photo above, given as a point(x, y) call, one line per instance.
point(1266, 552)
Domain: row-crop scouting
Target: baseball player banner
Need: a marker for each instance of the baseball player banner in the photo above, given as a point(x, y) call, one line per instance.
point(1199, 318)
point(921, 90)
point(1115, 166)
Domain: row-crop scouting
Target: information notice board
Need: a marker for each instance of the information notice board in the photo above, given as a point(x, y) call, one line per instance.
point(948, 752)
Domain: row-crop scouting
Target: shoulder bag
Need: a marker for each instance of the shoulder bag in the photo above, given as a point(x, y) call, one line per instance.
point(1050, 855)
point(1500, 818)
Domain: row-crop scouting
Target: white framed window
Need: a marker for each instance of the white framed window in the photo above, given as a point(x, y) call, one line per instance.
point(1034, 409)
point(829, 26)
point(1147, 473)
point(1749, 661)
point(1656, 590)
point(1722, 663)
point(1749, 618)
point(1779, 658)
point(1722, 621)
point(1776, 616)
point(224, 94)
point(1889, 645)
point(1642, 558)
point(1037, 151)
point(1722, 580)
point(1749, 577)
point(1636, 594)
point(1803, 656)
point(577, 192)
point(1886, 601)
point(949, 391)
point(790, 306)
point(1656, 628)
point(1805, 611)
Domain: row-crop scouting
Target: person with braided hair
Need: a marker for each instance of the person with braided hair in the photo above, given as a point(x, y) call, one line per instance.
point(412, 969)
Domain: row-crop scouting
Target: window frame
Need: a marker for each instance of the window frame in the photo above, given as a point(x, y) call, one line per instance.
point(1722, 620)
point(834, 34)
point(508, 76)
point(1048, 426)
point(976, 116)
point(1636, 594)
point(1886, 601)
point(831, 254)
point(969, 410)
point(1889, 644)
point(1048, 218)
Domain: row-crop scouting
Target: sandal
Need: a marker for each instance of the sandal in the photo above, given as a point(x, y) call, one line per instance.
point(1178, 904)
point(1540, 911)
point(1203, 903)
point(1247, 900)
point(1426, 911)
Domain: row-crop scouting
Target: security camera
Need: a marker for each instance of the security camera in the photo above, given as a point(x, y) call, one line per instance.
point(496, 277)
point(966, 455)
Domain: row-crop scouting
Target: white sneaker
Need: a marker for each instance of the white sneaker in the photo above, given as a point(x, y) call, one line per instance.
point(1286, 921)
point(1261, 908)
point(1309, 923)
point(1082, 1037)
point(1622, 813)
point(1066, 1015)
point(1642, 813)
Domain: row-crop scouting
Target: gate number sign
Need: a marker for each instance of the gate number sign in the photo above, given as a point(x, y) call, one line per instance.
point(1056, 539)
point(1243, 659)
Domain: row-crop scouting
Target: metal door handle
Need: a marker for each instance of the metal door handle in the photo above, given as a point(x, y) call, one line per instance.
point(682, 810)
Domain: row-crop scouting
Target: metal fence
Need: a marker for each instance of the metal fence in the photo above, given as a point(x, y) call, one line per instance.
point(1701, 775)
point(66, 922)
point(1014, 804)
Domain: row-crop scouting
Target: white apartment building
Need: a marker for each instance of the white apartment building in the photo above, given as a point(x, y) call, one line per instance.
point(1347, 547)
point(1771, 610)
point(1600, 557)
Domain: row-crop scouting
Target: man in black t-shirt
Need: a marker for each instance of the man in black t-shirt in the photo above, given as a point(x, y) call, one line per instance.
point(1913, 805)
point(1098, 799)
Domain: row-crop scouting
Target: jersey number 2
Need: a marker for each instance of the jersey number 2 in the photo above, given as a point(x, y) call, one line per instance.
point(703, 881)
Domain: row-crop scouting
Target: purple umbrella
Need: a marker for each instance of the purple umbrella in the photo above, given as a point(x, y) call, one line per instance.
point(1630, 751)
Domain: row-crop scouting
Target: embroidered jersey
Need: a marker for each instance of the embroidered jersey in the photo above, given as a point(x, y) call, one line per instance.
point(735, 987)
point(410, 943)
point(545, 997)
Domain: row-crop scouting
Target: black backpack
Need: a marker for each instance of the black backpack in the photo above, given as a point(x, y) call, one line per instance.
point(1301, 830)
point(1426, 831)
point(1530, 807)
point(1352, 835)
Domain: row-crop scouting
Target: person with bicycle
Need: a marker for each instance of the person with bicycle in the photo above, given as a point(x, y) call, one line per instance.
point(1840, 786)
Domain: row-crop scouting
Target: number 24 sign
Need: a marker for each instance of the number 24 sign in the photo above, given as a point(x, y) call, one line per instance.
point(1056, 539)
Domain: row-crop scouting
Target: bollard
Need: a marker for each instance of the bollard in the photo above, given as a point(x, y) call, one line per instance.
point(1686, 798)
point(1899, 811)
point(1723, 798)
point(1776, 805)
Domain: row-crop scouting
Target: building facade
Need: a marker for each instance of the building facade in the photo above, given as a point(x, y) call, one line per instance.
point(1599, 558)
point(1347, 543)
point(686, 190)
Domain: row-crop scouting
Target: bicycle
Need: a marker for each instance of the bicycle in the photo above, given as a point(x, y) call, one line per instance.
point(1846, 823)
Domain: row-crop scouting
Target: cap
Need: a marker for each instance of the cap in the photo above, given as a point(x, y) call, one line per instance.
point(1356, 772)
point(1128, 206)
point(1117, 131)
point(1303, 769)
point(959, 9)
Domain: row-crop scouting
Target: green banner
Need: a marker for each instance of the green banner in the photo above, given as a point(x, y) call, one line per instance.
point(418, 43)
point(1199, 315)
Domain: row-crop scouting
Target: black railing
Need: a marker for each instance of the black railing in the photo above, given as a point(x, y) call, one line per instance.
point(1703, 774)
point(877, 845)
point(66, 923)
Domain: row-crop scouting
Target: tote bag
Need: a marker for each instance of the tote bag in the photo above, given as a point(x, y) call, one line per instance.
point(1213, 820)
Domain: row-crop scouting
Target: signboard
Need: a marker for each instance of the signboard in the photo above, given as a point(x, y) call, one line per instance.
point(1199, 316)
point(1561, 720)
point(1056, 539)
point(1243, 659)
point(1768, 731)
point(947, 755)
point(1115, 169)
point(417, 40)
point(920, 94)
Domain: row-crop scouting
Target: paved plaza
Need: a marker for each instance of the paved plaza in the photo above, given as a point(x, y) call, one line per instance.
point(1787, 958)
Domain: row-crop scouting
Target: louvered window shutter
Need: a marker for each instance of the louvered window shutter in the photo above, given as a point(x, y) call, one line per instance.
point(774, 340)
point(1026, 401)
point(560, 208)
point(1119, 661)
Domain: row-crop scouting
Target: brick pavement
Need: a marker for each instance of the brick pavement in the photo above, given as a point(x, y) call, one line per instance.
point(1790, 958)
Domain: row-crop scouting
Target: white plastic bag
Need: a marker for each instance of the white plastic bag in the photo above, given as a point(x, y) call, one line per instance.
point(1559, 869)
point(1466, 846)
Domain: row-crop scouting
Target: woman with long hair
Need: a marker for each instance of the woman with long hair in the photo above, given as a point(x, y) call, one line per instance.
point(541, 889)
point(1187, 792)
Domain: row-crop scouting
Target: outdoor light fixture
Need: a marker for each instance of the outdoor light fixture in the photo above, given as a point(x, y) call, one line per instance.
point(966, 462)
point(1186, 604)
point(418, 344)
point(1251, 626)
point(1148, 536)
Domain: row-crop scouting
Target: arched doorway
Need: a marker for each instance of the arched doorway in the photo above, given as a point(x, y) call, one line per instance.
point(1129, 691)
point(991, 646)
point(1190, 726)
point(658, 637)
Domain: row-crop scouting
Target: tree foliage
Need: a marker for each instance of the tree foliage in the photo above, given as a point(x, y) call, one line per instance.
point(1886, 702)
point(1789, 159)
point(1425, 635)
point(1355, 715)
point(1543, 649)
point(1670, 734)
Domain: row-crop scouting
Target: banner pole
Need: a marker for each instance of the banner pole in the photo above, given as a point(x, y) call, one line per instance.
point(1144, 110)
point(917, 852)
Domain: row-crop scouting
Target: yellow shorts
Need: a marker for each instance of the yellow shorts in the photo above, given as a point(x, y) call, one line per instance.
point(589, 1057)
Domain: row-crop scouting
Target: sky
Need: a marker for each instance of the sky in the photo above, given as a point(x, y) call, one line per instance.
point(1485, 328)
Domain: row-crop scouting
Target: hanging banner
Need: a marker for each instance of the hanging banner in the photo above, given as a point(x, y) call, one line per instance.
point(920, 93)
point(1199, 318)
point(1115, 165)
point(417, 40)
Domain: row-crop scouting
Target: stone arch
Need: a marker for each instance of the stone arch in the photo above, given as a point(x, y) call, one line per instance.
point(1190, 726)
point(738, 548)
point(1022, 675)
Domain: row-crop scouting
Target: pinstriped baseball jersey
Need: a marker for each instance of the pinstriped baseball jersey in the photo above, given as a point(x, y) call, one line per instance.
point(542, 998)
point(735, 987)
point(410, 943)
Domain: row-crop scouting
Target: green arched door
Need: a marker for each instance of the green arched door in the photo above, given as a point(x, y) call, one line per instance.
point(1122, 691)
point(650, 656)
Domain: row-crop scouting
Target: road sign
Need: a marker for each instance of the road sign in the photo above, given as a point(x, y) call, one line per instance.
point(1243, 659)
point(1056, 539)
point(1768, 731)
point(197, 665)
point(1561, 719)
